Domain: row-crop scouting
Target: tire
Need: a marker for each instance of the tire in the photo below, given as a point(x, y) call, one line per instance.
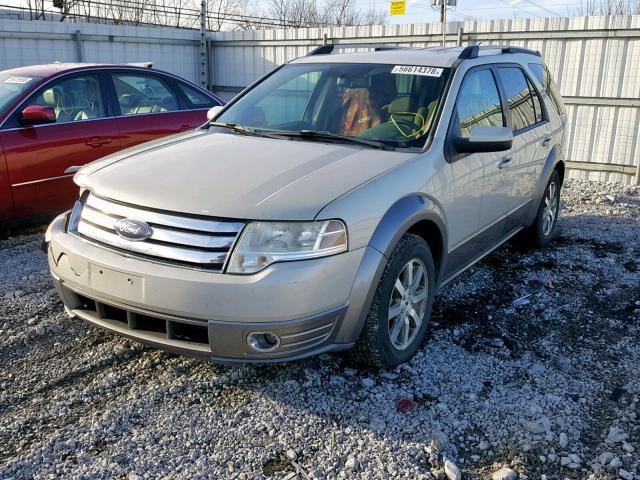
point(387, 341)
point(543, 229)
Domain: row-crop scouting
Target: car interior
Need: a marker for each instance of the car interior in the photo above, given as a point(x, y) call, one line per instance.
point(139, 95)
point(73, 100)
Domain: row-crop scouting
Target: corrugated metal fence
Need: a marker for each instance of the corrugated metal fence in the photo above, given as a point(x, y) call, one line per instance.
point(595, 60)
point(28, 43)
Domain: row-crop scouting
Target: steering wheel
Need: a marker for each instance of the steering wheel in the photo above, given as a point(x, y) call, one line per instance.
point(404, 125)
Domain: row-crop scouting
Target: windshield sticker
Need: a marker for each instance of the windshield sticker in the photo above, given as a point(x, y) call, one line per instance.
point(18, 80)
point(416, 70)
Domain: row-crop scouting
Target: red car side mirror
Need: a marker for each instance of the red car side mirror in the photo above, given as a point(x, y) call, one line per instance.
point(37, 115)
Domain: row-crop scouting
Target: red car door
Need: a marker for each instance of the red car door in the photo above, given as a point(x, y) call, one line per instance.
point(38, 156)
point(151, 107)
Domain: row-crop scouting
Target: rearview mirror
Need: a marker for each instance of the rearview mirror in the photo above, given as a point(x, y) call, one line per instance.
point(485, 139)
point(37, 115)
point(213, 112)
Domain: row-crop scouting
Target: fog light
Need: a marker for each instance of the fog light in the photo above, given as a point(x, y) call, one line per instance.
point(263, 341)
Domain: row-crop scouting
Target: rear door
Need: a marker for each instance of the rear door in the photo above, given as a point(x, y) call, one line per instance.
point(37, 157)
point(531, 141)
point(150, 105)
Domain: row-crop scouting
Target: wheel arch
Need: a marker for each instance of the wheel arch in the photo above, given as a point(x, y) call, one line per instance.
point(416, 213)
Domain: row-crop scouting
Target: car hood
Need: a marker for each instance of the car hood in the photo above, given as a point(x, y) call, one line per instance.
point(236, 176)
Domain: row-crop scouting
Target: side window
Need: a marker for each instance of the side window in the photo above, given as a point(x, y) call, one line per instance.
point(521, 106)
point(289, 102)
point(73, 99)
point(479, 102)
point(544, 77)
point(196, 98)
point(140, 94)
point(537, 105)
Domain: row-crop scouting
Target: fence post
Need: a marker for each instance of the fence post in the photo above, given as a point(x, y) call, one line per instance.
point(460, 34)
point(78, 40)
point(203, 43)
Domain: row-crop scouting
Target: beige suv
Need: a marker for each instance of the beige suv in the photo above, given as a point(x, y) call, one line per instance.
point(321, 209)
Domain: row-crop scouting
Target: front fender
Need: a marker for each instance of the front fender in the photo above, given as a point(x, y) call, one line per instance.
point(407, 213)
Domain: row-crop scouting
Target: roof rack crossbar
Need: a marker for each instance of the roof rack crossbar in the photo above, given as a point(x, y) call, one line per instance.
point(327, 49)
point(473, 51)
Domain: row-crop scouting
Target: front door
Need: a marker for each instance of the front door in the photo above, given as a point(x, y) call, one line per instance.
point(482, 181)
point(38, 157)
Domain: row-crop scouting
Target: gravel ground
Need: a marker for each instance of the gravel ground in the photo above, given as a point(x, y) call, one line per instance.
point(547, 387)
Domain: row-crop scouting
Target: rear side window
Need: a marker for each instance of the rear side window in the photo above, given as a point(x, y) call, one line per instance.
point(479, 102)
point(140, 94)
point(522, 104)
point(196, 98)
point(543, 75)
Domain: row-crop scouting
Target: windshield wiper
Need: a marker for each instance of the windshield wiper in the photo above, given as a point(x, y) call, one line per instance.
point(236, 127)
point(323, 135)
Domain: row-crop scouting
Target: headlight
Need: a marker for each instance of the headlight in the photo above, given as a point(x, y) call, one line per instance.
point(264, 243)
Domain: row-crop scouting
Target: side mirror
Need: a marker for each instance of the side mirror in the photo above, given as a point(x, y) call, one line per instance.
point(485, 139)
point(213, 112)
point(37, 115)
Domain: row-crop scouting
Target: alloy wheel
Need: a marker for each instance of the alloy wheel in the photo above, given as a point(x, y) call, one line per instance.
point(407, 304)
point(550, 209)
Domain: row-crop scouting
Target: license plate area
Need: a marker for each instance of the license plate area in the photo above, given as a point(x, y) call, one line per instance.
point(120, 285)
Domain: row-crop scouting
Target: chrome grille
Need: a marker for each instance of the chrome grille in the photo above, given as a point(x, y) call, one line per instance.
point(194, 241)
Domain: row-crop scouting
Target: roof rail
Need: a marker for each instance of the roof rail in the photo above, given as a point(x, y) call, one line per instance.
point(473, 51)
point(327, 49)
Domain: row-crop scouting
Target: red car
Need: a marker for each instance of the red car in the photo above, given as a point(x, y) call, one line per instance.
point(54, 117)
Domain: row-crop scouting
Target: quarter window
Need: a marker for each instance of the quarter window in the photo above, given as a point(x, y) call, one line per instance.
point(72, 99)
point(140, 94)
point(521, 101)
point(479, 102)
point(543, 76)
point(196, 98)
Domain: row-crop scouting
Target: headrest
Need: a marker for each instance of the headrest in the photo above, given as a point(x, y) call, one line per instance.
point(126, 100)
point(50, 97)
point(399, 105)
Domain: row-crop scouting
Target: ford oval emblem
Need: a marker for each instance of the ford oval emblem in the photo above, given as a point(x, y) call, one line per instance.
point(131, 229)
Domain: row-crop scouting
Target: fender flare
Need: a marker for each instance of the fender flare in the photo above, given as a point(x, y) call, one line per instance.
point(553, 159)
point(398, 220)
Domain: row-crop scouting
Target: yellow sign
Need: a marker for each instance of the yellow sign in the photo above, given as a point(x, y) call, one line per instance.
point(398, 8)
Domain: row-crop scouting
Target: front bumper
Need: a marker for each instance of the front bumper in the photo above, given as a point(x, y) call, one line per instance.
point(201, 313)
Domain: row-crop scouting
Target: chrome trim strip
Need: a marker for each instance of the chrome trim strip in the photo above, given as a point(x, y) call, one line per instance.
point(160, 234)
point(41, 180)
point(169, 252)
point(185, 223)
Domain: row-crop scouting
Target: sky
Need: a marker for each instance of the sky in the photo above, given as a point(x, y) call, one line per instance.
point(420, 11)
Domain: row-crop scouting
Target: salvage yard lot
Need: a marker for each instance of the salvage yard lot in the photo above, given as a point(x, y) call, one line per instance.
point(546, 386)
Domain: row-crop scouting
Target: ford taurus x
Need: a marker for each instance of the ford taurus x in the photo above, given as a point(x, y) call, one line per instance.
point(321, 209)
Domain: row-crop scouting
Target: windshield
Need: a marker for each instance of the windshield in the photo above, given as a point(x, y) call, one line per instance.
point(12, 86)
point(391, 104)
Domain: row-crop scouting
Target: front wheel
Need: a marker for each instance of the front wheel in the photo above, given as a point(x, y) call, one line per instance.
point(397, 320)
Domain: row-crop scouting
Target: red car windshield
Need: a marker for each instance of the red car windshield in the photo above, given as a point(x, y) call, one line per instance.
point(12, 86)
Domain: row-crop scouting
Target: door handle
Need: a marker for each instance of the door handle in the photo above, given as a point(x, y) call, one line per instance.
point(184, 128)
point(546, 142)
point(97, 142)
point(504, 163)
point(72, 169)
